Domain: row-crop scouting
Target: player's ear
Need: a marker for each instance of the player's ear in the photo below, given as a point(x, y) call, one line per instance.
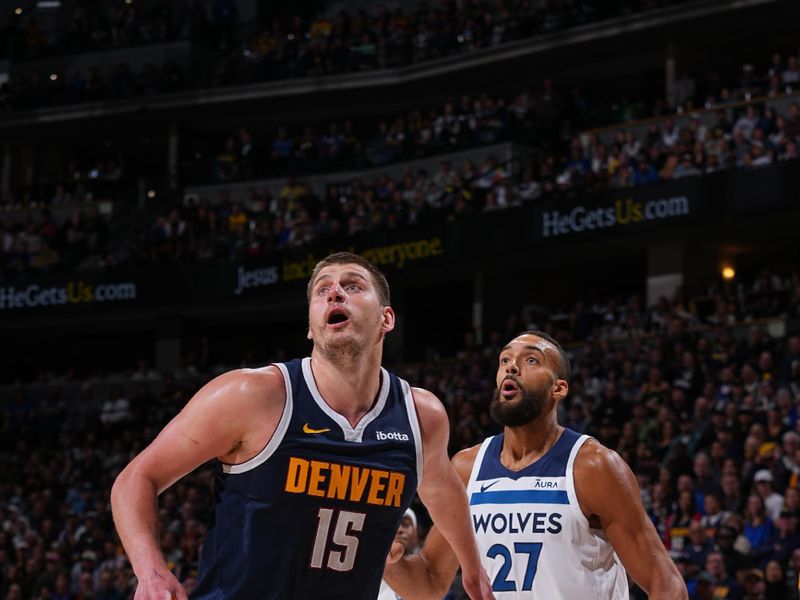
point(560, 389)
point(388, 320)
point(308, 335)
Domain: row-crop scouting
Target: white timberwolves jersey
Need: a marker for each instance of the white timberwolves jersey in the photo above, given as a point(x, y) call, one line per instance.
point(528, 524)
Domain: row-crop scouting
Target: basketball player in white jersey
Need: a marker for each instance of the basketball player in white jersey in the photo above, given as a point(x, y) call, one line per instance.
point(556, 514)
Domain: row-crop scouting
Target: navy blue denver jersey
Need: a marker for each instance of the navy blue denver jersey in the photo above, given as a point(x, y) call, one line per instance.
point(314, 513)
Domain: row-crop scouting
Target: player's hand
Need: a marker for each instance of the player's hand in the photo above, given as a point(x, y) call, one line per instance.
point(161, 585)
point(477, 585)
point(396, 552)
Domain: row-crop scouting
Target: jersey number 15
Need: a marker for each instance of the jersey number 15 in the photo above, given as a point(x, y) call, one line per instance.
point(346, 523)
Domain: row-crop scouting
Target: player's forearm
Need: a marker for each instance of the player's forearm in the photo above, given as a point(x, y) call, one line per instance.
point(411, 579)
point(134, 506)
point(447, 504)
point(670, 587)
point(666, 584)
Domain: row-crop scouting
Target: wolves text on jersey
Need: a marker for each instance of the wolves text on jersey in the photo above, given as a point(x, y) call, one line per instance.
point(515, 522)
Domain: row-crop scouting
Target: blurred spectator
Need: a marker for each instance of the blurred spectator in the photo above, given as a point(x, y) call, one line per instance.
point(679, 522)
point(763, 486)
point(759, 528)
point(116, 409)
point(725, 586)
point(735, 562)
point(698, 545)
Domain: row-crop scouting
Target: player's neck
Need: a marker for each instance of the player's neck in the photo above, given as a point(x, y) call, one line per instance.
point(348, 387)
point(527, 444)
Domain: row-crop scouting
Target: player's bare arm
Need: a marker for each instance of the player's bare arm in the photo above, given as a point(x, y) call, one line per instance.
point(444, 495)
point(429, 573)
point(218, 422)
point(609, 497)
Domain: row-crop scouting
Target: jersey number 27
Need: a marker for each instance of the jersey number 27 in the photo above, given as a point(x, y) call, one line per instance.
point(501, 582)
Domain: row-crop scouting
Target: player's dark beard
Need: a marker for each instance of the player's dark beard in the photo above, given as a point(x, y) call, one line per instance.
point(522, 411)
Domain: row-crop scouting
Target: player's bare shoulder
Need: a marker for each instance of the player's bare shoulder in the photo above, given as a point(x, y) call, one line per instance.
point(245, 389)
point(595, 461)
point(600, 473)
point(427, 403)
point(265, 382)
point(247, 405)
point(261, 391)
point(430, 412)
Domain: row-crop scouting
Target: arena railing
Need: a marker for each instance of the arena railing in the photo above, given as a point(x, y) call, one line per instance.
point(594, 33)
point(681, 118)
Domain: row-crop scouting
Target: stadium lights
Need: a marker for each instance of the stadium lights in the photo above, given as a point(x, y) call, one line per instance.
point(18, 11)
point(151, 194)
point(53, 76)
point(728, 273)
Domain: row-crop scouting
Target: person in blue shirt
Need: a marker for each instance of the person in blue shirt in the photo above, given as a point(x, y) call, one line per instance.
point(758, 527)
point(318, 460)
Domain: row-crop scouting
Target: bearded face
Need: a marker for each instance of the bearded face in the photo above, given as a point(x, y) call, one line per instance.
point(528, 387)
point(514, 404)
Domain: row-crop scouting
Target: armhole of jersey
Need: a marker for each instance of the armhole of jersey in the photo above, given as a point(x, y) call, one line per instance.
point(573, 496)
point(413, 421)
point(476, 466)
point(277, 435)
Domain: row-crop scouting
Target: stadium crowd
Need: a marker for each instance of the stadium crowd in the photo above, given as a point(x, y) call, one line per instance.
point(92, 30)
point(117, 82)
point(293, 47)
point(97, 29)
point(747, 137)
point(545, 117)
point(694, 393)
point(741, 135)
point(389, 38)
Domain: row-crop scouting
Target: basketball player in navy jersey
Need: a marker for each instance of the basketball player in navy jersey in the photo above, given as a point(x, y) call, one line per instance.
point(556, 514)
point(319, 459)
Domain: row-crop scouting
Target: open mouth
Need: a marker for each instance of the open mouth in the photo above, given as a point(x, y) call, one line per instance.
point(509, 388)
point(337, 317)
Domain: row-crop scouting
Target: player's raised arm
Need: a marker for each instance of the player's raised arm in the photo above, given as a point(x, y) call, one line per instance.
point(216, 422)
point(443, 494)
point(430, 573)
point(608, 491)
